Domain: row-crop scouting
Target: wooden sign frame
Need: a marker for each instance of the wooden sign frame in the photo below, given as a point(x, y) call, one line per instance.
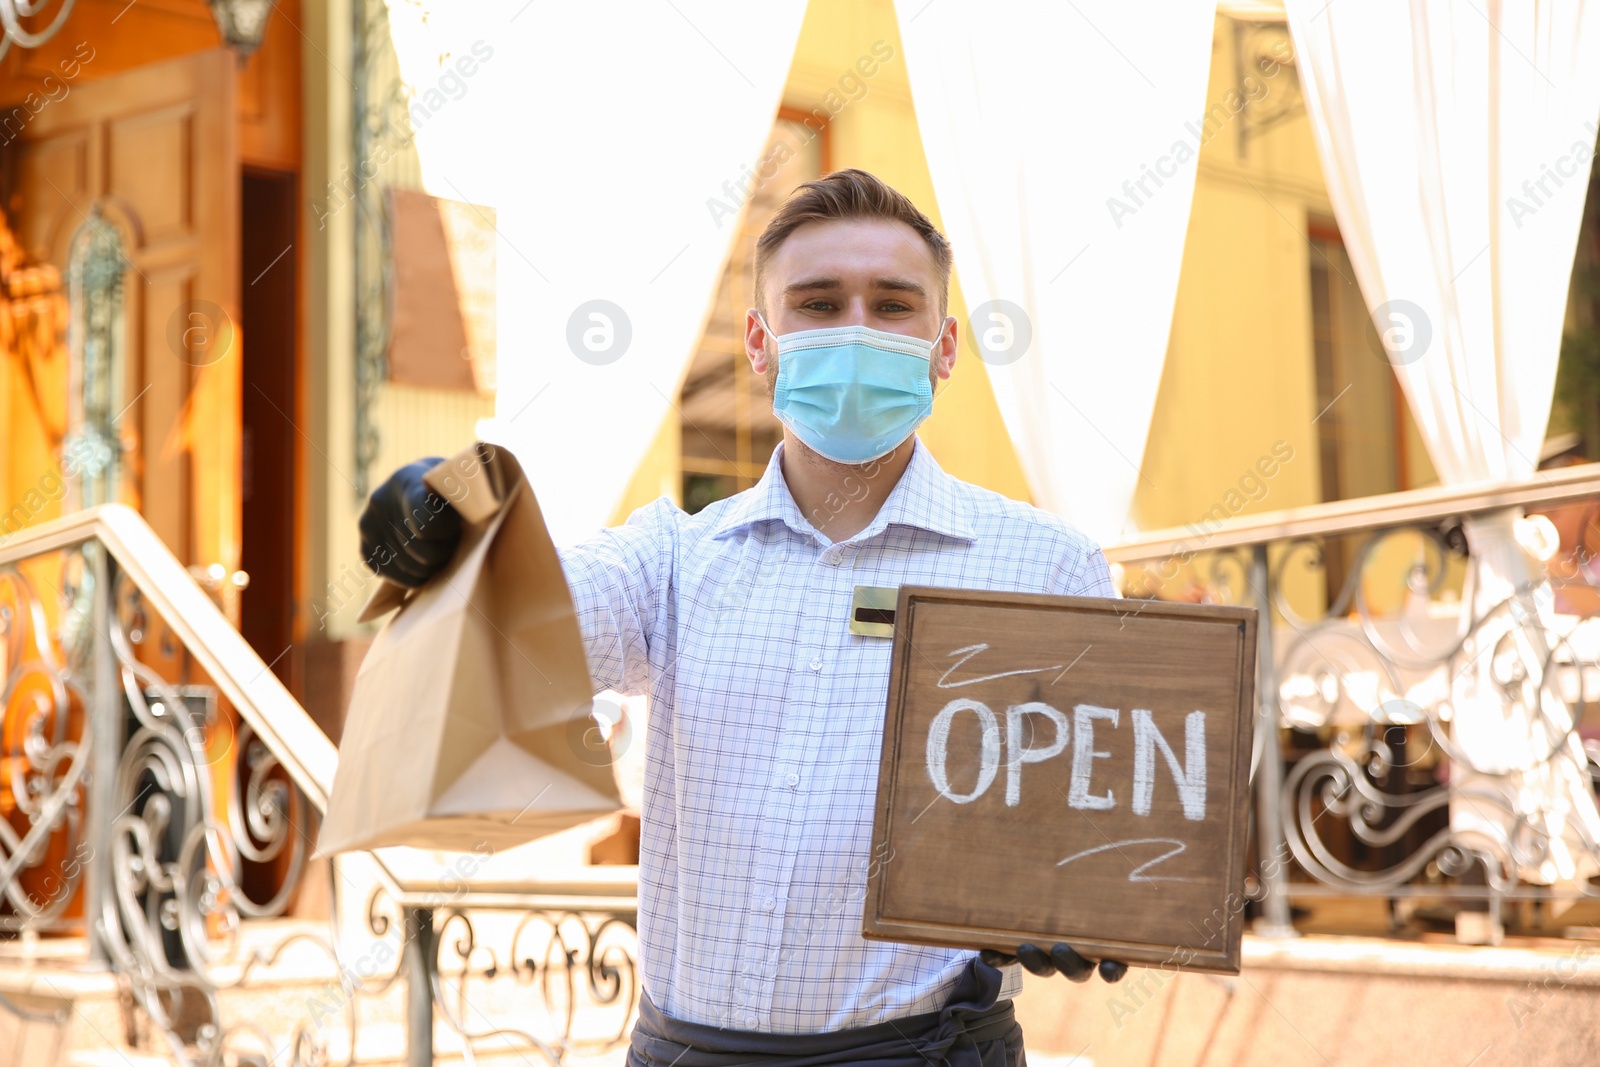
point(974, 866)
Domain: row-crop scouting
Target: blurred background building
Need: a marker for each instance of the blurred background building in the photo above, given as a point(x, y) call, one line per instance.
point(254, 256)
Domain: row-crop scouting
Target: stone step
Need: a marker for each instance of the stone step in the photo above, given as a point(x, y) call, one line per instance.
point(384, 1044)
point(378, 1053)
point(112, 1057)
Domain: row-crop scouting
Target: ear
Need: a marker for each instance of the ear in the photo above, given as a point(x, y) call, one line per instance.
point(944, 355)
point(755, 342)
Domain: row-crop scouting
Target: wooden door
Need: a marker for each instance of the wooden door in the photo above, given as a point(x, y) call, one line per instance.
point(153, 152)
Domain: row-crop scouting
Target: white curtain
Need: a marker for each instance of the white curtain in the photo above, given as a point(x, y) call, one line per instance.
point(1456, 141)
point(1062, 140)
point(625, 145)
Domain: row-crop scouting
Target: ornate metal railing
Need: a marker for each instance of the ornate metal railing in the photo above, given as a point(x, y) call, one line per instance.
point(1422, 689)
point(157, 790)
point(12, 12)
point(157, 777)
point(575, 967)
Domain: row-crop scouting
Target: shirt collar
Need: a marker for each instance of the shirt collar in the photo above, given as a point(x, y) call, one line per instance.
point(925, 498)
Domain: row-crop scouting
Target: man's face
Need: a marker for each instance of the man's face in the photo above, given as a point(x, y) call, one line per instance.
point(851, 272)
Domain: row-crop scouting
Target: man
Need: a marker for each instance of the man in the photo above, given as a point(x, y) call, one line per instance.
point(766, 713)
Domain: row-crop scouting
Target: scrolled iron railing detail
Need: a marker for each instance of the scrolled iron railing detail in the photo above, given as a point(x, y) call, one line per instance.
point(173, 918)
point(12, 12)
point(1507, 645)
point(48, 745)
point(572, 959)
point(173, 872)
point(1340, 785)
point(1375, 806)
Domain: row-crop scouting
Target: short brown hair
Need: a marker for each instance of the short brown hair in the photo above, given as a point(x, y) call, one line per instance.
point(850, 194)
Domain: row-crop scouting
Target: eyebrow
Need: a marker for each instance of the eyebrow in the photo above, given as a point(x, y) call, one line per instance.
point(830, 284)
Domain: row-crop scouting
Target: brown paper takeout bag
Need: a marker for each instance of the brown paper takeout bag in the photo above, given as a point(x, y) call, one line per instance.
point(462, 725)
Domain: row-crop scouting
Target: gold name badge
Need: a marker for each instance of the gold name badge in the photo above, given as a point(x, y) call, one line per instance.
point(872, 610)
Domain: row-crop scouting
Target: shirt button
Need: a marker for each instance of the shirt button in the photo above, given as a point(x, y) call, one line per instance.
point(793, 779)
point(749, 1022)
point(816, 664)
point(769, 904)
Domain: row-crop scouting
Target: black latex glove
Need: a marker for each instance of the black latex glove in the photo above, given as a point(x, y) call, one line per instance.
point(408, 531)
point(1061, 957)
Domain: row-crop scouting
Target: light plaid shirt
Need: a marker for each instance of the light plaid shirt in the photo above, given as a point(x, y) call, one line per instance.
point(766, 726)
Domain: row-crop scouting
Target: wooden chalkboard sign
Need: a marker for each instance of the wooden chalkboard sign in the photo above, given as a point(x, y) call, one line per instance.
point(1066, 769)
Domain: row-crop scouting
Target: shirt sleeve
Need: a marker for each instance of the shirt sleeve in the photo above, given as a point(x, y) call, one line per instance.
point(618, 580)
point(1084, 572)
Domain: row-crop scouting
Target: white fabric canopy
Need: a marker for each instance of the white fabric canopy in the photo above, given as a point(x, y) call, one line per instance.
point(1069, 203)
point(1456, 142)
point(609, 248)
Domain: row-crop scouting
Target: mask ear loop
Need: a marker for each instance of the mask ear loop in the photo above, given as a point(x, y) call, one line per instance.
point(933, 350)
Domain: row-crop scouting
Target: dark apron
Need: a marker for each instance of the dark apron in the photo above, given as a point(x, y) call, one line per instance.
point(971, 1030)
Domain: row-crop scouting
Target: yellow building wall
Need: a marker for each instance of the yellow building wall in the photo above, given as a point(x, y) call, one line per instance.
point(1238, 390)
point(1239, 373)
point(1239, 380)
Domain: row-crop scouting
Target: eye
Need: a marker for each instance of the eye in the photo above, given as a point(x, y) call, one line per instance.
point(818, 305)
point(894, 306)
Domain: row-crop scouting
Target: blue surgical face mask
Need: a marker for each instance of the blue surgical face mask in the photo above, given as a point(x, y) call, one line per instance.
point(852, 393)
